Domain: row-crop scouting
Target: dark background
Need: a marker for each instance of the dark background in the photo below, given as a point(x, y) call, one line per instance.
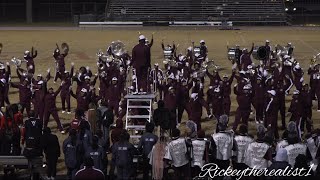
point(11, 11)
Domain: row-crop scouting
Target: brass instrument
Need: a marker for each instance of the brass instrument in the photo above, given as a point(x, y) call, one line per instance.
point(17, 62)
point(259, 53)
point(210, 66)
point(117, 48)
point(314, 60)
point(231, 54)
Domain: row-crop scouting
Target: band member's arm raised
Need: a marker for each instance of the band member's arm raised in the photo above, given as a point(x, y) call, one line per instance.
point(252, 47)
point(34, 53)
point(59, 89)
point(72, 94)
point(48, 77)
point(151, 42)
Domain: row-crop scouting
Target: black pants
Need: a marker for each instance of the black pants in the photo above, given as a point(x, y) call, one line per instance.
point(146, 168)
point(52, 166)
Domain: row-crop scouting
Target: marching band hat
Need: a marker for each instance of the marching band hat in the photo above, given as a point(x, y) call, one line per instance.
point(86, 77)
point(114, 79)
point(84, 90)
point(272, 92)
point(202, 41)
point(267, 41)
point(142, 37)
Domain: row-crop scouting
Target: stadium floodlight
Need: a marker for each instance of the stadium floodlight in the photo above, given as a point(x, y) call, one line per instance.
point(286, 9)
point(294, 9)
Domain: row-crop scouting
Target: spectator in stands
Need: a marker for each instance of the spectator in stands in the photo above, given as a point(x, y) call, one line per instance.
point(51, 148)
point(147, 141)
point(89, 172)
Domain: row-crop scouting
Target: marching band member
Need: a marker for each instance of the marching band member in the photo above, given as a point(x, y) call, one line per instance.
point(194, 109)
point(50, 107)
point(244, 97)
point(177, 153)
point(226, 89)
point(114, 97)
point(259, 92)
point(306, 100)
point(214, 99)
point(5, 78)
point(245, 58)
point(29, 56)
point(295, 146)
point(222, 143)
point(200, 153)
point(203, 49)
point(24, 94)
point(65, 90)
point(271, 115)
point(60, 63)
point(141, 62)
point(242, 140)
point(259, 153)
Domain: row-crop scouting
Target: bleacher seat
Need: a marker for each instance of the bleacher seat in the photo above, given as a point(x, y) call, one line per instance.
point(237, 11)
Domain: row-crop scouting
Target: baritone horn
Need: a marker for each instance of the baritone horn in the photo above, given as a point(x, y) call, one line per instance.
point(259, 53)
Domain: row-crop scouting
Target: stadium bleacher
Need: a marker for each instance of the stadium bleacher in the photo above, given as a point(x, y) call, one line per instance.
point(252, 12)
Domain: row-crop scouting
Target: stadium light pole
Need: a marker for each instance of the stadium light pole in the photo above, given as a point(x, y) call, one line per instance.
point(29, 11)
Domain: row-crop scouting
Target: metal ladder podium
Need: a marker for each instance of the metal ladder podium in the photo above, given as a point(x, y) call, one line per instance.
point(147, 101)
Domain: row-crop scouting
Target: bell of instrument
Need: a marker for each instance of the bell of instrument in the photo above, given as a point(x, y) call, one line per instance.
point(259, 53)
point(117, 48)
point(17, 62)
point(65, 48)
point(210, 66)
point(232, 54)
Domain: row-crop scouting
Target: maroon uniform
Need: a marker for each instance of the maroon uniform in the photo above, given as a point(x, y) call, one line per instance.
point(214, 99)
point(272, 113)
point(259, 91)
point(244, 106)
point(194, 109)
point(51, 109)
point(65, 91)
point(114, 91)
point(60, 64)
point(24, 95)
point(226, 90)
point(83, 100)
point(141, 62)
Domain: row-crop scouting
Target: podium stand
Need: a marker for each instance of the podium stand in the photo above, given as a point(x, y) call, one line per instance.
point(138, 101)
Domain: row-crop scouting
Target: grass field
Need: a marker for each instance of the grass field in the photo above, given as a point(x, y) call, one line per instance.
point(84, 43)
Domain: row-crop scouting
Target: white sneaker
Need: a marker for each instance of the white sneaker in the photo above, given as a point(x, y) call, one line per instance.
point(68, 112)
point(63, 112)
point(63, 132)
point(54, 82)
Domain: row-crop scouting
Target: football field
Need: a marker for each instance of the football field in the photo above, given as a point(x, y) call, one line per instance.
point(85, 43)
